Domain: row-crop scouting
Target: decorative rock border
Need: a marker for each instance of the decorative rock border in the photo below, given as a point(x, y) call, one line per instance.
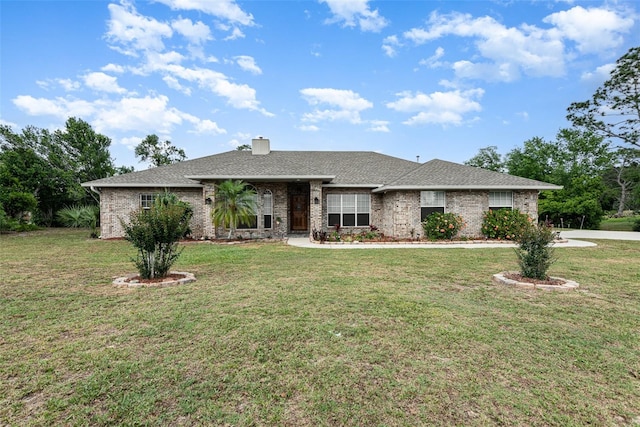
point(125, 281)
point(567, 285)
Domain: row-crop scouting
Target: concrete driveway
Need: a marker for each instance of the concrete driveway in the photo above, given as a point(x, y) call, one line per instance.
point(599, 234)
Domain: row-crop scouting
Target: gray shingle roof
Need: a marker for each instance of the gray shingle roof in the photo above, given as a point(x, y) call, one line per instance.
point(336, 168)
point(441, 175)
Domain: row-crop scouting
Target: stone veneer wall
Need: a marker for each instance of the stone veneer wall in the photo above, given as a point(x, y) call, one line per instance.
point(116, 203)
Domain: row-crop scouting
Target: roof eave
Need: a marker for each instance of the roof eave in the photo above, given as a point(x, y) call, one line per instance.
point(466, 187)
point(262, 177)
point(140, 185)
point(338, 185)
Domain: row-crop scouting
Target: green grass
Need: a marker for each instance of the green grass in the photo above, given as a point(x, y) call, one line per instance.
point(272, 335)
point(619, 224)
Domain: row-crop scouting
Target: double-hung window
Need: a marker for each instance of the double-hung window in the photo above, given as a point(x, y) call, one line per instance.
point(430, 202)
point(348, 210)
point(267, 208)
point(146, 200)
point(500, 200)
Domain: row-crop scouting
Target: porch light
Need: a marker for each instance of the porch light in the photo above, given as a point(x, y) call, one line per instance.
point(207, 201)
point(316, 201)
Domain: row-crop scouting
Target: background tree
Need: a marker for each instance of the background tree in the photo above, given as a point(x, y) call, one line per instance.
point(158, 153)
point(623, 181)
point(613, 112)
point(576, 160)
point(51, 166)
point(244, 147)
point(487, 158)
point(537, 159)
point(234, 204)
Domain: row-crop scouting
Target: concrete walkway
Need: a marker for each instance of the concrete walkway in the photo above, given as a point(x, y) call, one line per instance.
point(304, 242)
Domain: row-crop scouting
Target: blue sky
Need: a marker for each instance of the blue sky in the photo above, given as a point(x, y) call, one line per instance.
point(435, 79)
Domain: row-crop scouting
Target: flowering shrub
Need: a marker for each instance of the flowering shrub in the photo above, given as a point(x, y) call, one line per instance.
point(505, 224)
point(535, 254)
point(440, 226)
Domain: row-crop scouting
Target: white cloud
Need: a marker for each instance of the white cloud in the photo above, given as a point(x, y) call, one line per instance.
point(131, 141)
point(102, 82)
point(389, 45)
point(113, 68)
point(224, 9)
point(434, 60)
point(173, 83)
point(61, 108)
point(7, 123)
point(67, 84)
point(379, 126)
point(594, 30)
point(236, 33)
point(344, 99)
point(149, 114)
point(239, 96)
point(196, 33)
point(347, 103)
point(444, 108)
point(130, 32)
point(505, 53)
point(207, 126)
point(248, 63)
point(355, 13)
point(601, 74)
point(309, 128)
point(510, 51)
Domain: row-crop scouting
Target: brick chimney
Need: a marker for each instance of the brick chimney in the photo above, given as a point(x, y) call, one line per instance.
point(260, 146)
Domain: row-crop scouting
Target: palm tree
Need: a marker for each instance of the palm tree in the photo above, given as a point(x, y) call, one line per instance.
point(235, 204)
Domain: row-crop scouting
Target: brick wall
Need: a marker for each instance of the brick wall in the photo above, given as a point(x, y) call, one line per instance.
point(401, 210)
point(117, 203)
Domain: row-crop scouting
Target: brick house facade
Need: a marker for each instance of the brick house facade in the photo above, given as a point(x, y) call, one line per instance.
point(299, 192)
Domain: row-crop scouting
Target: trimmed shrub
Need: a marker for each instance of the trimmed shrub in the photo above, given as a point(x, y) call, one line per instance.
point(442, 226)
point(504, 224)
point(534, 251)
point(636, 225)
point(155, 232)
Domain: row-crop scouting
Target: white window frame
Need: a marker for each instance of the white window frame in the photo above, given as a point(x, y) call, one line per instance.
point(430, 202)
point(267, 209)
point(500, 199)
point(146, 200)
point(356, 204)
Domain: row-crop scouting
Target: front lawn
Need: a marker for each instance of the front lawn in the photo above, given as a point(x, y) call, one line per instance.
point(619, 224)
point(272, 335)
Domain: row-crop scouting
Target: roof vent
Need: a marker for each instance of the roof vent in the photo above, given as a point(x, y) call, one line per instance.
point(260, 146)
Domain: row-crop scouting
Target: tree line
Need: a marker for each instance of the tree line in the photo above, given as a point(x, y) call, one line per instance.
point(597, 161)
point(41, 171)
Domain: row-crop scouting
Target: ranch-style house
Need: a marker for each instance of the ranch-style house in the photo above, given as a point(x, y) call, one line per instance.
point(298, 192)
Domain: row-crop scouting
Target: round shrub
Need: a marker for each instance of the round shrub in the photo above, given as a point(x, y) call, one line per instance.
point(442, 226)
point(504, 224)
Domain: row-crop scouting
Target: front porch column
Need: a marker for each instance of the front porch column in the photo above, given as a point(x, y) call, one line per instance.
point(315, 212)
